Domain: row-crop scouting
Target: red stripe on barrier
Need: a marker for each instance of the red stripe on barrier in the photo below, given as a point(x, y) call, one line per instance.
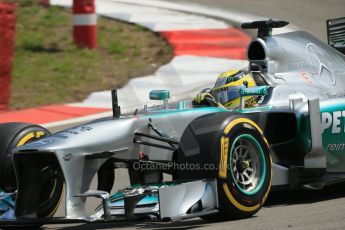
point(47, 114)
point(224, 43)
point(85, 36)
point(7, 30)
point(83, 6)
point(230, 53)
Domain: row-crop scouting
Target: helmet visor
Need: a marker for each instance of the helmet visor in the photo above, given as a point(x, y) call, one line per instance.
point(225, 96)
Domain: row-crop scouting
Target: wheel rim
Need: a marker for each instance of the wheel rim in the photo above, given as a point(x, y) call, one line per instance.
point(247, 164)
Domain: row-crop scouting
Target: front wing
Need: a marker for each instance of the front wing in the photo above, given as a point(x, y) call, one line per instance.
point(169, 201)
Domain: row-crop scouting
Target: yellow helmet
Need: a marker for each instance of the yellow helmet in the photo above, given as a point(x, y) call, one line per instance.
point(227, 88)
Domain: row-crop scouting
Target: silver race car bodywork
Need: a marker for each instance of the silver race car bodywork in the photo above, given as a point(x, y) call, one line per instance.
point(82, 150)
point(299, 78)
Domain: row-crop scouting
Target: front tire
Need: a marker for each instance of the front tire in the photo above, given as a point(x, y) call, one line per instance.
point(245, 169)
point(239, 153)
point(13, 135)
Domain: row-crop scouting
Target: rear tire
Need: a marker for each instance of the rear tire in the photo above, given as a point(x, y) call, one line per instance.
point(13, 135)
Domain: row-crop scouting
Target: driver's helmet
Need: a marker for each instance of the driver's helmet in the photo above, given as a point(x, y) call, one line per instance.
point(227, 88)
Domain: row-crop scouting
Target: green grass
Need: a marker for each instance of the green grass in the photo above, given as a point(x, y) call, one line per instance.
point(48, 68)
point(117, 48)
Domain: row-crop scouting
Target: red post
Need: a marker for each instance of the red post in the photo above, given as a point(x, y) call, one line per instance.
point(7, 32)
point(84, 24)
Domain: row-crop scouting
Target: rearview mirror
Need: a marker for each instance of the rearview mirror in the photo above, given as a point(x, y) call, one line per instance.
point(161, 95)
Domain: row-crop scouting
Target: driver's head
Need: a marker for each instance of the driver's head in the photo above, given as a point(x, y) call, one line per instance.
point(227, 88)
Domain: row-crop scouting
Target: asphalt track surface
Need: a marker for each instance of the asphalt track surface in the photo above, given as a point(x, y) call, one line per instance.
point(283, 210)
point(309, 15)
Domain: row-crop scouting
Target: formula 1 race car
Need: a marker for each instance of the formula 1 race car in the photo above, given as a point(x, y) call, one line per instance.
point(223, 163)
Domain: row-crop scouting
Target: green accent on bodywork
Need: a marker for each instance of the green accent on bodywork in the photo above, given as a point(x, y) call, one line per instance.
point(159, 94)
point(206, 109)
point(181, 105)
point(263, 169)
point(160, 184)
point(333, 143)
point(255, 109)
point(178, 111)
point(328, 136)
point(7, 200)
point(118, 197)
point(303, 140)
point(333, 137)
point(254, 91)
point(117, 200)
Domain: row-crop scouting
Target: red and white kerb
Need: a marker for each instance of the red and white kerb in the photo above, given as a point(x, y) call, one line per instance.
point(84, 23)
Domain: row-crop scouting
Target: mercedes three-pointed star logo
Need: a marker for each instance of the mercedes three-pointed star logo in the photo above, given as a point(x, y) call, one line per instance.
point(321, 62)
